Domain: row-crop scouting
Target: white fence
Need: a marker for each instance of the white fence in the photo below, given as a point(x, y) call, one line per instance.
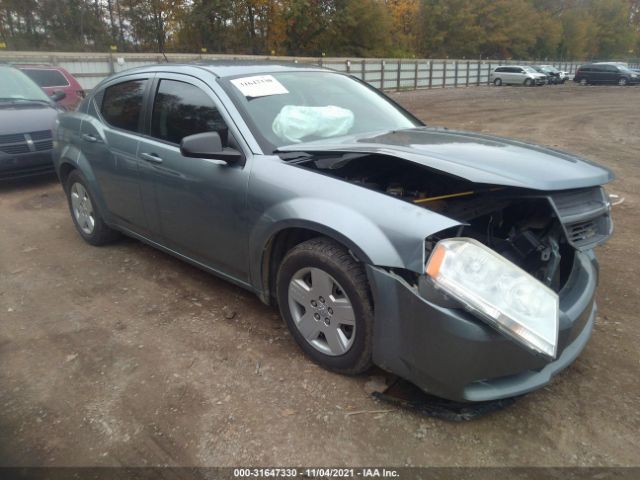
point(387, 74)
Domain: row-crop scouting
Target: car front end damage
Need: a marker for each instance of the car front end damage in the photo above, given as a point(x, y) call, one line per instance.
point(427, 336)
point(516, 325)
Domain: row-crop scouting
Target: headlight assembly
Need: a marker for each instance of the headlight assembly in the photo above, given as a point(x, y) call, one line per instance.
point(501, 293)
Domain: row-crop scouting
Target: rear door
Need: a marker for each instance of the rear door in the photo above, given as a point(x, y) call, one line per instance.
point(199, 204)
point(110, 142)
point(598, 73)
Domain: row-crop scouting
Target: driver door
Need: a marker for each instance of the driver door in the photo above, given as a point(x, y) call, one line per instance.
point(199, 204)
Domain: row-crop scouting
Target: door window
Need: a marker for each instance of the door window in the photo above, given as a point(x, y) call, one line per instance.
point(46, 77)
point(181, 109)
point(122, 104)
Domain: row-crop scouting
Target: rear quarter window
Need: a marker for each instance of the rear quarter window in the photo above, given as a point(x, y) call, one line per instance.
point(46, 77)
point(122, 104)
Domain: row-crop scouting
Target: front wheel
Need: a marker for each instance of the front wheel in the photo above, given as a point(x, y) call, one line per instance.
point(84, 212)
point(497, 82)
point(623, 82)
point(528, 82)
point(324, 298)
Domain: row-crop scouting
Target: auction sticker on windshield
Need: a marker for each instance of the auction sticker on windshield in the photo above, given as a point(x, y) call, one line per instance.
point(259, 86)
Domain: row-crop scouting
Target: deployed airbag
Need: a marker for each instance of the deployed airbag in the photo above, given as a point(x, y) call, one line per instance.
point(294, 122)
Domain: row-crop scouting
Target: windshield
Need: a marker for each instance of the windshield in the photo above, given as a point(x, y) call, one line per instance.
point(15, 85)
point(529, 69)
point(293, 107)
point(624, 69)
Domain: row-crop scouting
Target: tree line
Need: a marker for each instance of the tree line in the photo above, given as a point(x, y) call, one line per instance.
point(523, 29)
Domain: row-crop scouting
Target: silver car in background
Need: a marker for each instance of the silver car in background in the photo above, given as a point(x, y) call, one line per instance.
point(517, 75)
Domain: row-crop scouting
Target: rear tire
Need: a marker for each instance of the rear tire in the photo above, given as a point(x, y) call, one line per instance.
point(323, 295)
point(85, 213)
point(497, 82)
point(583, 82)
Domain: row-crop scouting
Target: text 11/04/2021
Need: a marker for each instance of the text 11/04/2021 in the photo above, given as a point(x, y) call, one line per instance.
point(372, 472)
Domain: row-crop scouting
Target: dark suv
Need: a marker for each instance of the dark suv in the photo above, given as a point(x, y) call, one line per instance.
point(599, 73)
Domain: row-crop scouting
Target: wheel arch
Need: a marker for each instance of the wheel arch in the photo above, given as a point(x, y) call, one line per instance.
point(286, 238)
point(67, 163)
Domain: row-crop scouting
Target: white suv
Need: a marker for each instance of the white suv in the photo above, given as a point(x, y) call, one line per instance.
point(517, 75)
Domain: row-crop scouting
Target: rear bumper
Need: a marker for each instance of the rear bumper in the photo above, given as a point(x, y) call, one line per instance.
point(450, 353)
point(25, 164)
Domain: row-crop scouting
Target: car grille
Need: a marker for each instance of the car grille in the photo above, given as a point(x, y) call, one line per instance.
point(17, 143)
point(582, 232)
point(585, 215)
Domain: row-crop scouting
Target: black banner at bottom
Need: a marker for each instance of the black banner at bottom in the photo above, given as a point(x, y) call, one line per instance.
point(408, 473)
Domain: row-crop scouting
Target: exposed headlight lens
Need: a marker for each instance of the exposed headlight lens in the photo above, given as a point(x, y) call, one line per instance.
point(504, 295)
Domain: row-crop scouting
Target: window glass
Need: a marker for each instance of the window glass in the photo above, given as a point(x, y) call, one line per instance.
point(181, 109)
point(500, 69)
point(122, 104)
point(46, 77)
point(283, 108)
point(16, 86)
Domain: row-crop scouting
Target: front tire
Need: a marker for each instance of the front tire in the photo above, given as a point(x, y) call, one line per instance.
point(497, 82)
point(324, 298)
point(528, 82)
point(84, 212)
point(623, 82)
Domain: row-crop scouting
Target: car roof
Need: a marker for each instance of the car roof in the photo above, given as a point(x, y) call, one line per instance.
point(226, 68)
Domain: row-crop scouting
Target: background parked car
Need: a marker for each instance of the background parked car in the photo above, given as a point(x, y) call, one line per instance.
point(27, 116)
point(601, 73)
point(517, 75)
point(56, 79)
point(554, 76)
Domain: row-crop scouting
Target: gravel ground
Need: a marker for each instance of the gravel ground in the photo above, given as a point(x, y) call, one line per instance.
point(123, 355)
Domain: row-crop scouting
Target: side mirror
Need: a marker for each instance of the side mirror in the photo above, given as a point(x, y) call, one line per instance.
point(208, 145)
point(57, 96)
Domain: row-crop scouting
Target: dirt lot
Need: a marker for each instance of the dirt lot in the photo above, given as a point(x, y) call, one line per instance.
point(124, 356)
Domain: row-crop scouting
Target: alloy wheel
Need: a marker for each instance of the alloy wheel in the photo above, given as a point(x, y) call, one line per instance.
point(322, 311)
point(82, 208)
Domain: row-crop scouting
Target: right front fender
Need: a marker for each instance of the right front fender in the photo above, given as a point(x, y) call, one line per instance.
point(379, 229)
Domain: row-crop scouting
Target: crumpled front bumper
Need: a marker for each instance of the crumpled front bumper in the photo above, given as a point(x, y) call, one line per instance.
point(448, 352)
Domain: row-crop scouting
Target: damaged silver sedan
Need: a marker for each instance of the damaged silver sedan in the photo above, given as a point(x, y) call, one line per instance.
point(461, 262)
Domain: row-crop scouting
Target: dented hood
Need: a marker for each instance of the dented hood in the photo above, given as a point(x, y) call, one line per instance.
point(472, 156)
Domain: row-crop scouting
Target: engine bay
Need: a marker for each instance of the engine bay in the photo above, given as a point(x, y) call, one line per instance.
point(518, 224)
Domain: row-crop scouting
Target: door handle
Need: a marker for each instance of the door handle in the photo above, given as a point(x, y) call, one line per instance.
point(89, 138)
point(151, 157)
